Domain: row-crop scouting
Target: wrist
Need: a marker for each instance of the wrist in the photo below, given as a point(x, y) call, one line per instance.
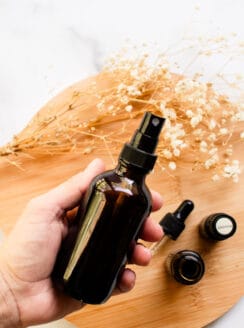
point(9, 312)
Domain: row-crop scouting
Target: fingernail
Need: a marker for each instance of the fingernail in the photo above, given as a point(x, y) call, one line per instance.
point(130, 283)
point(149, 254)
point(159, 196)
point(95, 162)
point(160, 230)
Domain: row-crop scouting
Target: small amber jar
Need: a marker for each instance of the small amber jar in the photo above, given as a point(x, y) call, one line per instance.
point(186, 267)
point(218, 226)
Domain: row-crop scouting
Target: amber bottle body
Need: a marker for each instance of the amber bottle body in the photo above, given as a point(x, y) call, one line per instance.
point(98, 244)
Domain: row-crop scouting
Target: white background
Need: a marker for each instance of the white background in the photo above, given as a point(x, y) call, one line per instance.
point(46, 45)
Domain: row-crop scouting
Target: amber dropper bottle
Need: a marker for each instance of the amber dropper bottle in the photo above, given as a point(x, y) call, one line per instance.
point(116, 205)
point(218, 226)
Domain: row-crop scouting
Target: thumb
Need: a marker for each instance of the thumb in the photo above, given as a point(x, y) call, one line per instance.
point(68, 194)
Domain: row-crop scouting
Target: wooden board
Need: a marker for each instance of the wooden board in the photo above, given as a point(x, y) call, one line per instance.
point(157, 300)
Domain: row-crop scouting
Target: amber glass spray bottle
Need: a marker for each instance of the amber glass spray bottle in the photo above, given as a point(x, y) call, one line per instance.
point(116, 205)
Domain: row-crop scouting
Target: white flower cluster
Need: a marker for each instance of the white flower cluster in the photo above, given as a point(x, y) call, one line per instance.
point(232, 170)
point(212, 161)
point(199, 122)
point(192, 91)
point(130, 90)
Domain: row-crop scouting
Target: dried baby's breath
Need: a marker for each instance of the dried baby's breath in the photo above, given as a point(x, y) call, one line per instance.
point(172, 166)
point(200, 123)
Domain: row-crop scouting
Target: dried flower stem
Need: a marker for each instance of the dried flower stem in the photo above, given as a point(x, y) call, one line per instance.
point(200, 129)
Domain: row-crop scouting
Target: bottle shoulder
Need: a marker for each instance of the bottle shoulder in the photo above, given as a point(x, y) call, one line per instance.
point(110, 181)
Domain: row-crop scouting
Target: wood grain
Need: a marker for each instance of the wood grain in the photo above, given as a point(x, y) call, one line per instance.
point(157, 300)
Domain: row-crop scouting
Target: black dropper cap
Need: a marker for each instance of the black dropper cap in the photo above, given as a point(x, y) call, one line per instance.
point(173, 223)
point(140, 151)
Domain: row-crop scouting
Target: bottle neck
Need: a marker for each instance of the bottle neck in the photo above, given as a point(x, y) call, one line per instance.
point(130, 171)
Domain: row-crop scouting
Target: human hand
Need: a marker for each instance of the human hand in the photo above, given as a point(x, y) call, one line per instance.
point(28, 255)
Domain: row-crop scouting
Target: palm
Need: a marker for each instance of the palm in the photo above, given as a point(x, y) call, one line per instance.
point(31, 263)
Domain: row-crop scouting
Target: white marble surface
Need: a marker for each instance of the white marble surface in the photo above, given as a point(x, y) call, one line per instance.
point(46, 45)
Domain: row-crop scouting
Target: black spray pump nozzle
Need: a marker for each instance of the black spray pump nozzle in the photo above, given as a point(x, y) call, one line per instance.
point(140, 151)
point(173, 223)
point(146, 136)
